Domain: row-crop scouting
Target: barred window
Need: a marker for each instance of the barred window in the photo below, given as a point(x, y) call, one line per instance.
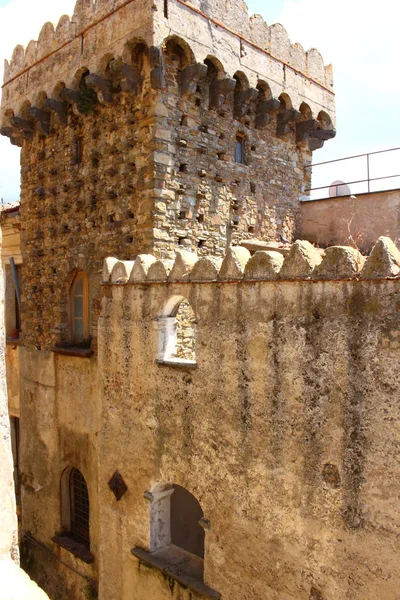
point(79, 505)
point(240, 156)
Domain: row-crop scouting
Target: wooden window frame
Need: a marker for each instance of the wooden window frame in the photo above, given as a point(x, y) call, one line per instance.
point(80, 275)
point(240, 139)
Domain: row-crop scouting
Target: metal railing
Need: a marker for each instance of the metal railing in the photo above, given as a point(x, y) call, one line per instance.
point(365, 163)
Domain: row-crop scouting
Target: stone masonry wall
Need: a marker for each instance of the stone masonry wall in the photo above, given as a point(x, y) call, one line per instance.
point(128, 145)
point(285, 432)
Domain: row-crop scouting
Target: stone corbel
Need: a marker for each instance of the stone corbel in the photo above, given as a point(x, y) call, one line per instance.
point(59, 108)
point(25, 127)
point(103, 87)
point(283, 119)
point(219, 90)
point(265, 107)
point(243, 101)
point(319, 136)
point(71, 96)
point(190, 76)
point(128, 76)
point(304, 128)
point(13, 134)
point(43, 118)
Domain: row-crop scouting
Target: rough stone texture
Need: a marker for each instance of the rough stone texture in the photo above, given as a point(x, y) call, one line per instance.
point(286, 433)
point(384, 260)
point(128, 115)
point(301, 261)
point(340, 262)
point(264, 265)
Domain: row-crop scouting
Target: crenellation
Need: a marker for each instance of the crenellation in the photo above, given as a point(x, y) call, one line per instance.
point(303, 261)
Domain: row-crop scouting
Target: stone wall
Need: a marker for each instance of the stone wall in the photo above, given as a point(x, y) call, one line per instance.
point(285, 432)
point(357, 220)
point(128, 146)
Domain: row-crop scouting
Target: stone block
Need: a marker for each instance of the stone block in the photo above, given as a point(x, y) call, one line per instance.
point(301, 261)
point(340, 262)
point(108, 266)
point(159, 270)
point(121, 271)
point(183, 265)
point(141, 267)
point(384, 260)
point(234, 263)
point(206, 269)
point(264, 265)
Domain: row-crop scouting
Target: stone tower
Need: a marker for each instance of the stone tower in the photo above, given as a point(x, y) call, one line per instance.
point(147, 125)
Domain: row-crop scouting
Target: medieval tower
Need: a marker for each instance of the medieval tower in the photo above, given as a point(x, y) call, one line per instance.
point(196, 422)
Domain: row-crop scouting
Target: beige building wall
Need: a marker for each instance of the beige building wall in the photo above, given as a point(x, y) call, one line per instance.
point(11, 229)
point(357, 221)
point(285, 432)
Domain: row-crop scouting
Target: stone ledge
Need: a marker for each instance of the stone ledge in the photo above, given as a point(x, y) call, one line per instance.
point(77, 548)
point(150, 560)
point(78, 352)
point(183, 364)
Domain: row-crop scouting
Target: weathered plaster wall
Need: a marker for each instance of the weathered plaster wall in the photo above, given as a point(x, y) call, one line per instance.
point(286, 432)
point(357, 221)
point(59, 420)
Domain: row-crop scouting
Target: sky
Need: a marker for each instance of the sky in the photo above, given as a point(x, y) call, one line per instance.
point(358, 37)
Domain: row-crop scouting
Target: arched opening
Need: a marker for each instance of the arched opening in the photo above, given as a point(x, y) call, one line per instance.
point(186, 513)
point(177, 528)
point(177, 56)
point(79, 308)
point(75, 513)
point(176, 332)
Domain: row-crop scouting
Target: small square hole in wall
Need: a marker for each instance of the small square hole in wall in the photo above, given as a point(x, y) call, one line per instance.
point(198, 102)
point(200, 243)
point(252, 188)
point(130, 215)
point(184, 121)
point(183, 168)
point(221, 136)
point(220, 156)
point(129, 240)
point(200, 218)
point(182, 215)
point(111, 218)
point(253, 148)
point(198, 89)
point(250, 229)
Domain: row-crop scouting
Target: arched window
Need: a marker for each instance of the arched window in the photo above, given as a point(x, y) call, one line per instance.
point(75, 515)
point(79, 301)
point(177, 528)
point(176, 334)
point(79, 506)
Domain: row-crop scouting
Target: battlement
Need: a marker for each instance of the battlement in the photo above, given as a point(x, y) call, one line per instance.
point(302, 262)
point(258, 59)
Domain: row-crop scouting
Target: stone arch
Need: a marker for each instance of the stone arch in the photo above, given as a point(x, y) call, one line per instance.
point(176, 521)
point(305, 111)
point(176, 331)
point(179, 49)
point(264, 91)
point(215, 69)
point(286, 101)
point(324, 120)
point(72, 524)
